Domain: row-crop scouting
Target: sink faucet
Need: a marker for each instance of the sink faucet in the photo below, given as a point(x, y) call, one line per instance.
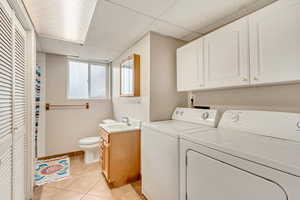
point(126, 120)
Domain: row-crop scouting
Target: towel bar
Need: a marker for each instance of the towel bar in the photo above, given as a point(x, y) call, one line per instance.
point(53, 106)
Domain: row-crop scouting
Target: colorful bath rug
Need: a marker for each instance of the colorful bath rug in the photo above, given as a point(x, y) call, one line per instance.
point(52, 170)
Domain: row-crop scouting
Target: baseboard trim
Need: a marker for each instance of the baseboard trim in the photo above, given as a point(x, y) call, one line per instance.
point(70, 154)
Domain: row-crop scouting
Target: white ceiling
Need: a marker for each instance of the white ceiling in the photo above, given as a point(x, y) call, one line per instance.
point(66, 20)
point(117, 24)
point(153, 8)
point(197, 14)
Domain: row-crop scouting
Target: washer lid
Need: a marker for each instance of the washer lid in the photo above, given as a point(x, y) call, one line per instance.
point(277, 153)
point(175, 128)
point(89, 140)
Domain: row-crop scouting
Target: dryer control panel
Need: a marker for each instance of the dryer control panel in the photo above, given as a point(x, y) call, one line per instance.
point(199, 116)
point(274, 124)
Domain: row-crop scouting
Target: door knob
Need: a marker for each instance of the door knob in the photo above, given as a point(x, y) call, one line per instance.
point(244, 79)
point(255, 78)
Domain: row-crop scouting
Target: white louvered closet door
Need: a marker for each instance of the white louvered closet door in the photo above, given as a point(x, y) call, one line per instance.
point(6, 72)
point(6, 99)
point(19, 61)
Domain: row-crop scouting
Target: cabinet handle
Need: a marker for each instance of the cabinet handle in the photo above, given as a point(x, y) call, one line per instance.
point(244, 79)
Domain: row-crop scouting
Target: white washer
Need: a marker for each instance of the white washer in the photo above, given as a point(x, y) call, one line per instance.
point(160, 150)
point(251, 155)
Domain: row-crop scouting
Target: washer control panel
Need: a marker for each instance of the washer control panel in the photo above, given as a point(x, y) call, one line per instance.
point(200, 116)
point(177, 112)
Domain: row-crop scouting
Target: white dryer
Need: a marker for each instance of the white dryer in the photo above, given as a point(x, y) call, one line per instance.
point(160, 150)
point(252, 155)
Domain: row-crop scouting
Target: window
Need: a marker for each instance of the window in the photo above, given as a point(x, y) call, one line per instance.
point(87, 80)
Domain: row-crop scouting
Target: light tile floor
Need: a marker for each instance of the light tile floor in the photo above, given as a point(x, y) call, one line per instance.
point(86, 183)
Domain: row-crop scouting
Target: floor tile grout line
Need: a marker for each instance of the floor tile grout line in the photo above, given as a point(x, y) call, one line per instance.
point(81, 193)
point(97, 179)
point(70, 190)
point(90, 189)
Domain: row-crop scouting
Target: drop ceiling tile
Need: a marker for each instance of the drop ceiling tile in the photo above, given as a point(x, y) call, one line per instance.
point(116, 27)
point(152, 8)
point(58, 47)
point(112, 30)
point(168, 29)
point(195, 14)
point(246, 10)
point(71, 49)
point(62, 19)
point(94, 53)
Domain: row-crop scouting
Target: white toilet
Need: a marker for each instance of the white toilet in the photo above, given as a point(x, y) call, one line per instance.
point(90, 146)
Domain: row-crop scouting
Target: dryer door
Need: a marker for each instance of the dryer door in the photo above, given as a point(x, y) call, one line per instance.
point(212, 179)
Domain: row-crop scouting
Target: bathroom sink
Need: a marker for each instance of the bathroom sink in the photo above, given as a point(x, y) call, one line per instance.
point(120, 127)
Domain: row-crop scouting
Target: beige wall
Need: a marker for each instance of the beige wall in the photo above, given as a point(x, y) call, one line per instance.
point(158, 80)
point(65, 127)
point(163, 83)
point(136, 108)
point(283, 98)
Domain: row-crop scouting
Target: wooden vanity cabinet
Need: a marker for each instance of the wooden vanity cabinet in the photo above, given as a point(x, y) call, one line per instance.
point(120, 157)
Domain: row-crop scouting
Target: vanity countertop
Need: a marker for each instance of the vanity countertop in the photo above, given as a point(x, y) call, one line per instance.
point(120, 127)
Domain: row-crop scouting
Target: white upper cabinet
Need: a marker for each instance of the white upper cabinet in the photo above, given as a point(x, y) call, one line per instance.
point(275, 43)
point(190, 68)
point(227, 56)
point(263, 48)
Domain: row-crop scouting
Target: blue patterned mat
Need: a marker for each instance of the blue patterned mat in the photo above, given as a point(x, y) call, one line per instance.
point(52, 170)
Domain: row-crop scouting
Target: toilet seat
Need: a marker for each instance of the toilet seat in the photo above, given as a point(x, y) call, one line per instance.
point(88, 141)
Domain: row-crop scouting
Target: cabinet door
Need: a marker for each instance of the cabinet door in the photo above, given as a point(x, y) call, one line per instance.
point(227, 55)
point(106, 161)
point(190, 70)
point(275, 43)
